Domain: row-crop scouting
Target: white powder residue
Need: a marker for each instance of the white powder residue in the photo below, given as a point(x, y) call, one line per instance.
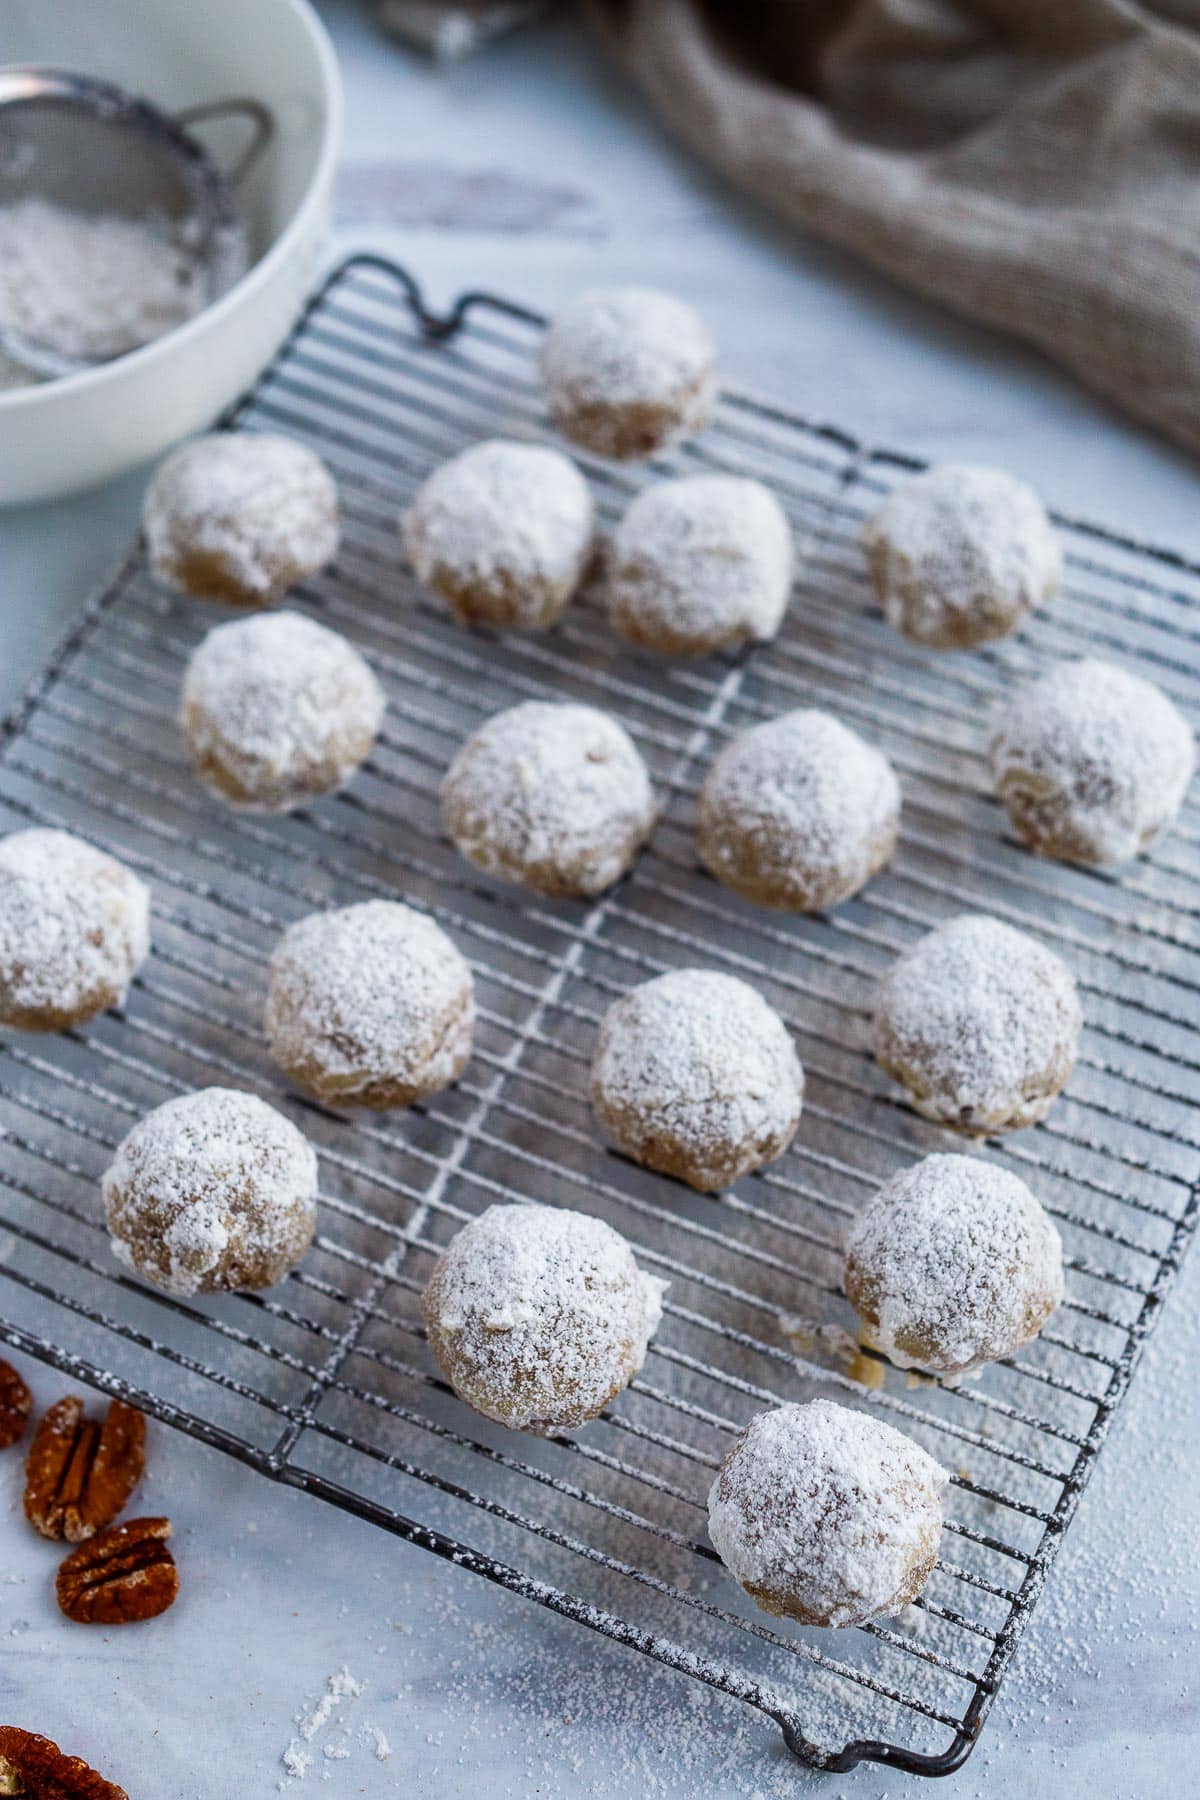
point(629, 344)
point(514, 519)
point(540, 1314)
point(1099, 757)
point(960, 552)
point(95, 285)
point(981, 1022)
point(798, 809)
point(955, 1255)
point(74, 925)
point(699, 1059)
point(377, 1739)
point(208, 1183)
point(340, 1686)
point(830, 1507)
point(550, 794)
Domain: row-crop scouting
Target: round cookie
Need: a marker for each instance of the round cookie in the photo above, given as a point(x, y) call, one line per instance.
point(959, 554)
point(696, 1076)
point(503, 534)
point(240, 517)
point(951, 1265)
point(369, 1006)
point(628, 370)
point(798, 813)
point(550, 795)
point(980, 1023)
point(539, 1317)
point(212, 1192)
point(700, 564)
point(1091, 762)
point(276, 710)
point(74, 930)
point(826, 1515)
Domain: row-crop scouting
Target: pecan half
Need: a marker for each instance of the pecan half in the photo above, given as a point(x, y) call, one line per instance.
point(36, 1768)
point(79, 1474)
point(120, 1576)
point(15, 1401)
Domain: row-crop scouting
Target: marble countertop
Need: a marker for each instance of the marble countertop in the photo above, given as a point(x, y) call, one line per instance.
point(533, 171)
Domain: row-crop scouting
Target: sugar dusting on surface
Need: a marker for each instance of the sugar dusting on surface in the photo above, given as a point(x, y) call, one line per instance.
point(625, 344)
point(981, 1010)
point(370, 992)
point(955, 1252)
point(806, 792)
point(518, 513)
point(275, 696)
point(957, 540)
point(549, 785)
point(701, 563)
point(699, 1056)
point(830, 1505)
point(543, 1303)
point(74, 922)
point(206, 1177)
point(1101, 750)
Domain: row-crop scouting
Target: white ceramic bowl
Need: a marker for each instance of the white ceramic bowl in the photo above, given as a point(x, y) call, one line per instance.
point(72, 433)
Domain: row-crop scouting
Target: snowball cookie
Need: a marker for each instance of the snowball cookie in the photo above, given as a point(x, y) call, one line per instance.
point(959, 554)
point(696, 1076)
point(503, 533)
point(538, 1317)
point(74, 930)
point(827, 1515)
point(369, 1006)
point(628, 370)
point(240, 517)
point(276, 710)
point(700, 564)
point(212, 1192)
point(798, 813)
point(951, 1265)
point(550, 795)
point(1091, 762)
point(980, 1024)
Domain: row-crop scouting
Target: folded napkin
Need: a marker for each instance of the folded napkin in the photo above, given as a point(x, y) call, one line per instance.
point(1034, 164)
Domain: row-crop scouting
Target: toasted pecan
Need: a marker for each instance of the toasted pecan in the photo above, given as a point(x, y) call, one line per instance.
point(79, 1473)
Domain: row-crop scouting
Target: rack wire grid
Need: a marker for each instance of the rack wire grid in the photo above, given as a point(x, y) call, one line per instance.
point(326, 1382)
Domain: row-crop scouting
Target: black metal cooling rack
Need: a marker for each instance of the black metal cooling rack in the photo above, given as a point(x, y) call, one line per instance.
point(325, 1383)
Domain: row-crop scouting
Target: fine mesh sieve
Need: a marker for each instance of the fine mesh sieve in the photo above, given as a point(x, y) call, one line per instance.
point(92, 147)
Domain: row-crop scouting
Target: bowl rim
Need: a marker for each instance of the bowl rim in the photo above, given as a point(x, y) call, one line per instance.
point(40, 393)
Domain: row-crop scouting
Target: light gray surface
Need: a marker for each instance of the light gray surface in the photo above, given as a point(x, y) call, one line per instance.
point(477, 1692)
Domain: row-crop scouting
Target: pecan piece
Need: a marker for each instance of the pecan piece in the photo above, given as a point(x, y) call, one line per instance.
point(120, 1576)
point(79, 1474)
point(15, 1401)
point(36, 1768)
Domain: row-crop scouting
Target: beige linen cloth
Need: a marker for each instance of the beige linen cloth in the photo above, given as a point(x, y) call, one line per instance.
point(1034, 164)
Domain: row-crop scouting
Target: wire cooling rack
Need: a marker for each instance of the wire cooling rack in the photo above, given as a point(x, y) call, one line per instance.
point(326, 1382)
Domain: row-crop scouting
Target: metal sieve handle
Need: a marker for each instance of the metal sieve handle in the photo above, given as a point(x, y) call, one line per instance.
point(259, 117)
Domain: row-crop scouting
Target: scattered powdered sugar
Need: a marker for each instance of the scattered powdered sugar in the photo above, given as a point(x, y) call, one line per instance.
point(700, 564)
point(210, 1184)
point(799, 807)
point(74, 926)
point(95, 285)
point(1098, 758)
point(367, 994)
point(828, 1507)
point(699, 1059)
point(980, 1022)
point(954, 1255)
point(281, 706)
point(551, 794)
point(630, 344)
point(504, 515)
point(258, 509)
point(311, 1724)
point(960, 552)
point(541, 1313)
